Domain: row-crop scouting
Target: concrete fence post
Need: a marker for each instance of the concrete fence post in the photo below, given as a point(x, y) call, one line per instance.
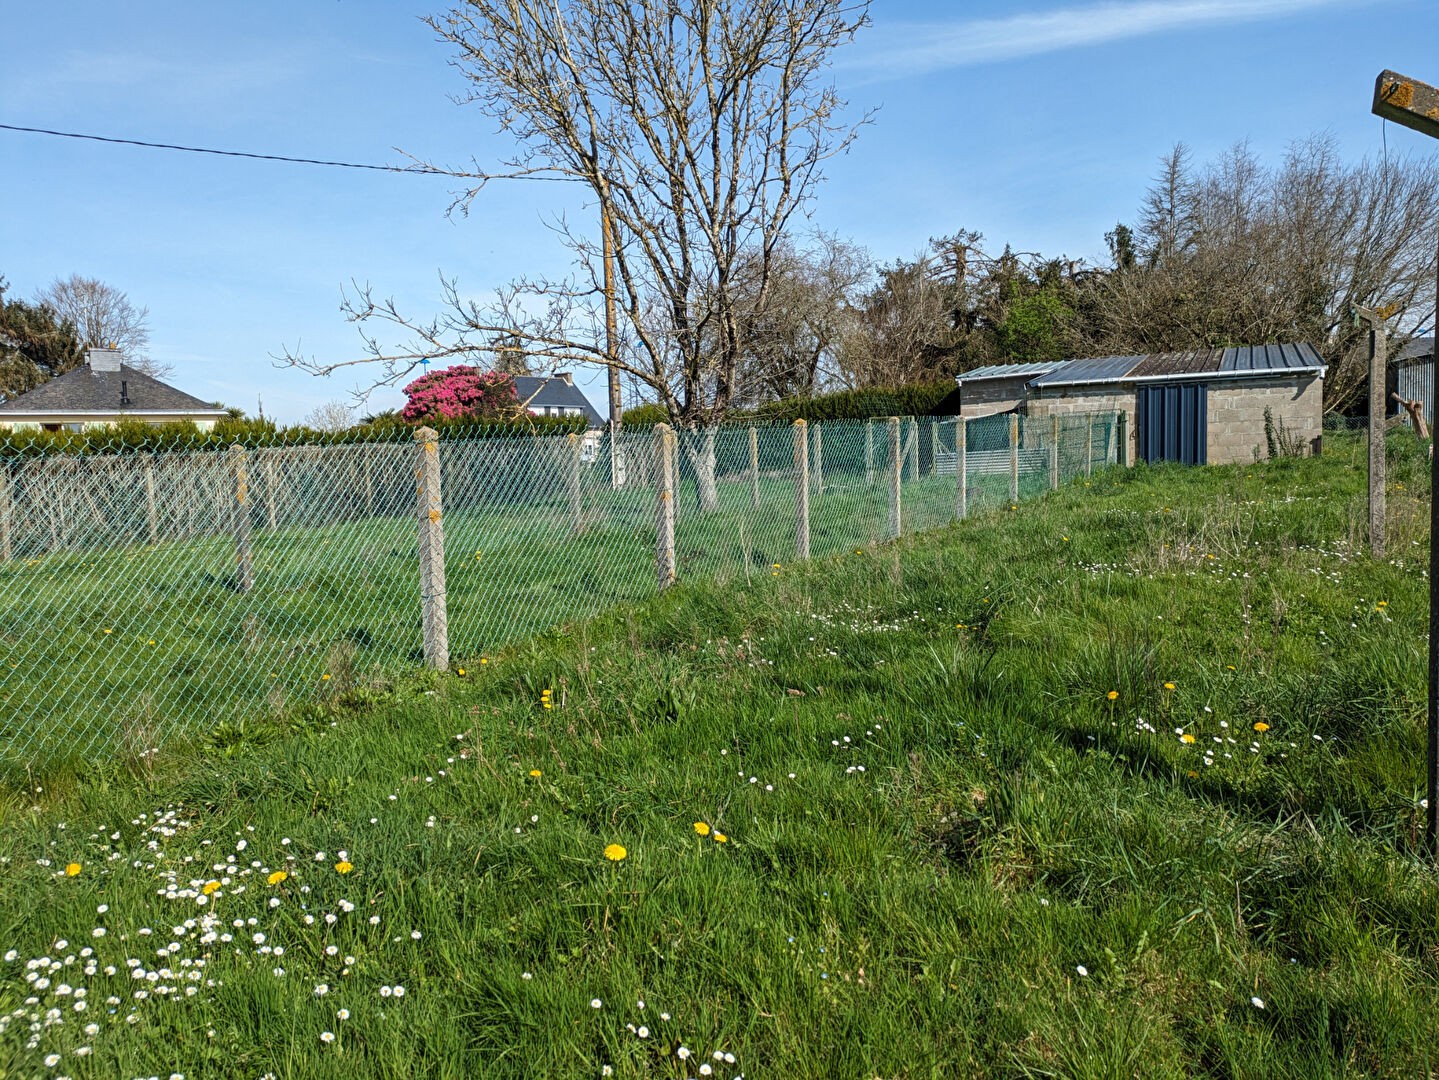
point(818, 470)
point(152, 513)
point(896, 465)
point(869, 453)
point(7, 512)
point(573, 447)
point(272, 489)
point(933, 446)
point(430, 514)
point(1377, 404)
point(240, 520)
point(665, 505)
point(912, 450)
point(801, 489)
point(1089, 446)
point(753, 466)
point(1054, 429)
point(1013, 458)
point(1121, 439)
point(961, 482)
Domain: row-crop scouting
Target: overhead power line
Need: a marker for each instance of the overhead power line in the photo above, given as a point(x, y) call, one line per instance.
point(419, 170)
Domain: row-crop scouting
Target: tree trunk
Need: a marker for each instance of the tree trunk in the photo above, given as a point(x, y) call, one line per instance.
point(700, 449)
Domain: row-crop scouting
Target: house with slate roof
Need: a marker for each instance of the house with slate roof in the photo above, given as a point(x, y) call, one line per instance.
point(101, 392)
point(1202, 406)
point(555, 395)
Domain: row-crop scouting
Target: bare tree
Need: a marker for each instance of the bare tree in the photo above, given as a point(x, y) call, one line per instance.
point(330, 416)
point(697, 129)
point(104, 318)
point(1239, 254)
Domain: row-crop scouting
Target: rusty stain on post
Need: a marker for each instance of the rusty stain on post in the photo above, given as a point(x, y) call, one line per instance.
point(430, 507)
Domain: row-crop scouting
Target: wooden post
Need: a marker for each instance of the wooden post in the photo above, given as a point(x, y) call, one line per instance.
point(1377, 358)
point(869, 453)
point(896, 465)
point(665, 505)
point(1088, 446)
point(1121, 439)
point(240, 521)
point(7, 510)
point(961, 482)
point(429, 507)
point(801, 489)
point(572, 482)
point(753, 466)
point(1013, 458)
point(152, 516)
point(818, 470)
point(1054, 428)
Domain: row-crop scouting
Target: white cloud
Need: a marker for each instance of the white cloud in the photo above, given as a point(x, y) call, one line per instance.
point(917, 48)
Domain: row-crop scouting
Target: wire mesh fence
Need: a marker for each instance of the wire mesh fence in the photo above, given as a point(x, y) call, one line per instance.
point(147, 593)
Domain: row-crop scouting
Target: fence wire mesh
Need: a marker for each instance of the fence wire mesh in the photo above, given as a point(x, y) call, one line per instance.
point(149, 593)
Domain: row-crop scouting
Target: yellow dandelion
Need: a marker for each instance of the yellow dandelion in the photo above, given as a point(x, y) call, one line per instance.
point(1113, 695)
point(72, 870)
point(721, 838)
point(460, 672)
point(1186, 738)
point(1192, 774)
point(484, 660)
point(774, 566)
point(1229, 667)
point(210, 888)
point(615, 853)
point(109, 631)
point(1169, 686)
point(1261, 726)
point(325, 678)
point(536, 773)
point(344, 866)
point(702, 828)
point(277, 877)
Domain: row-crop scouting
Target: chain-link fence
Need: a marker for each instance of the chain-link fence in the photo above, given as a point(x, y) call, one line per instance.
point(145, 592)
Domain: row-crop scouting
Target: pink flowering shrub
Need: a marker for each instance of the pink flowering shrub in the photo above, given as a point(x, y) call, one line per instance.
point(458, 393)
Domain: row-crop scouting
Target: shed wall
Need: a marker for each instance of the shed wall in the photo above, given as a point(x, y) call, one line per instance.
point(1067, 400)
point(992, 396)
point(1236, 416)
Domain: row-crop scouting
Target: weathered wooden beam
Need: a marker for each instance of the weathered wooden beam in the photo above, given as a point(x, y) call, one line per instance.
point(1407, 101)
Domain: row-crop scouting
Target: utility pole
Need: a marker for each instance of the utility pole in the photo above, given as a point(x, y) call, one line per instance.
point(1416, 105)
point(611, 343)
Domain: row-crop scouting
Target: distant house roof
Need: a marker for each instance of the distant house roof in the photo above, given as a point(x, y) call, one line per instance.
point(555, 391)
point(1421, 348)
point(86, 390)
point(1008, 371)
point(1230, 363)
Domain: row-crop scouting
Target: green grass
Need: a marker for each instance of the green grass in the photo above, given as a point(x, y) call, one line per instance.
point(959, 821)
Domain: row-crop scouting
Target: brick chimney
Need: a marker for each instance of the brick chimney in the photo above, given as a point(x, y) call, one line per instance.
point(103, 359)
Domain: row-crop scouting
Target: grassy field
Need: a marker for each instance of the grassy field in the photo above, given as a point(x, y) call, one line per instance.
point(1123, 782)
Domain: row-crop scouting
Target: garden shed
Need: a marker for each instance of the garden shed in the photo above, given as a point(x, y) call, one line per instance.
point(1204, 406)
point(993, 389)
point(1411, 376)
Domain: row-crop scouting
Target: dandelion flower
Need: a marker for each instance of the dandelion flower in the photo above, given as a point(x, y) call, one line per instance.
point(326, 678)
point(277, 877)
point(210, 888)
point(1113, 695)
point(721, 838)
point(1186, 738)
point(702, 828)
point(615, 853)
point(1261, 726)
point(536, 773)
point(72, 869)
point(344, 866)
point(1169, 686)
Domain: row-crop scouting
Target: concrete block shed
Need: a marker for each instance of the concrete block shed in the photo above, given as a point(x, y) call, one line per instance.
point(1204, 406)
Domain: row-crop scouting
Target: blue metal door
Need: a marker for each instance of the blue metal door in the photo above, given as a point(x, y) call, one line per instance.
point(1173, 423)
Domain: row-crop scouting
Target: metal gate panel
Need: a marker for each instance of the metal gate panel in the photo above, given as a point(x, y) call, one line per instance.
point(1174, 423)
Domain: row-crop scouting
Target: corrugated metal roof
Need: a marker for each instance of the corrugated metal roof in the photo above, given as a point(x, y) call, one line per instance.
point(1192, 362)
point(1006, 371)
point(1419, 348)
point(1271, 358)
point(1093, 370)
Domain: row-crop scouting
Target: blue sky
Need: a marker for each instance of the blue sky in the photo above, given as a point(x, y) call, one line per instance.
point(1037, 122)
